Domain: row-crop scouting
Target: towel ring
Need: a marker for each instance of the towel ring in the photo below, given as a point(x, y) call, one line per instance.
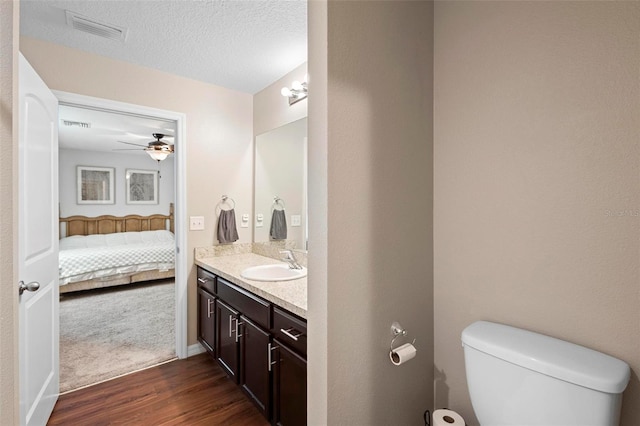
point(225, 200)
point(277, 200)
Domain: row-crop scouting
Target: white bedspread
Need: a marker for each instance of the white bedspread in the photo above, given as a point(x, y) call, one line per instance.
point(101, 256)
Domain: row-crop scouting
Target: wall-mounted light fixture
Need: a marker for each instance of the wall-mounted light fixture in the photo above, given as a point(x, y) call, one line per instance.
point(297, 92)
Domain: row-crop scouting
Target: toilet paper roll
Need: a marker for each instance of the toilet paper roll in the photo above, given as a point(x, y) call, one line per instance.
point(445, 417)
point(402, 354)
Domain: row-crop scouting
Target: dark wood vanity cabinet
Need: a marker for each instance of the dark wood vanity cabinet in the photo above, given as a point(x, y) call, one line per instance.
point(289, 387)
point(255, 377)
point(226, 342)
point(289, 369)
point(206, 320)
point(261, 346)
point(206, 310)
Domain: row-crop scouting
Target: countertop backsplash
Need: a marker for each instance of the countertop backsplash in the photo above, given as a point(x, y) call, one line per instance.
point(268, 249)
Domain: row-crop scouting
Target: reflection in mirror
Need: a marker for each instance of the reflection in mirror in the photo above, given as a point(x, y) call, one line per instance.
point(281, 172)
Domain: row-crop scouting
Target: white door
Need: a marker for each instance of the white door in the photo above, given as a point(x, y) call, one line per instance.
point(38, 248)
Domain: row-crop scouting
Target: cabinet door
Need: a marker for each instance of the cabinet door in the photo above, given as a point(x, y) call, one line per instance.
point(226, 348)
point(206, 320)
point(254, 364)
point(289, 387)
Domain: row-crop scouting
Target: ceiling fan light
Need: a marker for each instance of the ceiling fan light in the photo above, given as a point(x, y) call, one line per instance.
point(158, 154)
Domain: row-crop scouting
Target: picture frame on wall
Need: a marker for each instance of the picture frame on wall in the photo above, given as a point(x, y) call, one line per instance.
point(95, 185)
point(142, 186)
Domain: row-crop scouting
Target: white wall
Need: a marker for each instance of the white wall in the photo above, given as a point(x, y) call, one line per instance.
point(537, 195)
point(69, 159)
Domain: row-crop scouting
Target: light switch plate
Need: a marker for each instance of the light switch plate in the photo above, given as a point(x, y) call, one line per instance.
point(259, 220)
point(196, 223)
point(295, 220)
point(245, 221)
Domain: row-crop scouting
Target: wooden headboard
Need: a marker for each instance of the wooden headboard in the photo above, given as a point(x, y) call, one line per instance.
point(107, 224)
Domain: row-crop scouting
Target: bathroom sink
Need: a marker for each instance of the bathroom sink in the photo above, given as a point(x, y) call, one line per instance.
point(275, 272)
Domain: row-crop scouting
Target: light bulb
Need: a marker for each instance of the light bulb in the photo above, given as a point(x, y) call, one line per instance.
point(157, 155)
point(286, 92)
point(296, 85)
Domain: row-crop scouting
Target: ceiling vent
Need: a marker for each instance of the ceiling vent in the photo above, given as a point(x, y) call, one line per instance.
point(80, 124)
point(92, 26)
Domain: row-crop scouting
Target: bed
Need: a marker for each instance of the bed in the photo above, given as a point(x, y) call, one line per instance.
point(105, 251)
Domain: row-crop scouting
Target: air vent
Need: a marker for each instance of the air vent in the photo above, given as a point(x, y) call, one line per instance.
point(80, 124)
point(92, 26)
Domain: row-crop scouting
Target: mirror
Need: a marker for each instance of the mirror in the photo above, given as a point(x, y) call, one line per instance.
point(281, 172)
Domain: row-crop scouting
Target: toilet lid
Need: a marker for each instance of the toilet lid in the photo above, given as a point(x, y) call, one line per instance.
point(548, 355)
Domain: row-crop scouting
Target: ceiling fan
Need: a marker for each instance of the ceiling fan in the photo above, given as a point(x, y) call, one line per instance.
point(157, 149)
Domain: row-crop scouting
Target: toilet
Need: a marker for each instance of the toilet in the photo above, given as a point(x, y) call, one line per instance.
point(521, 378)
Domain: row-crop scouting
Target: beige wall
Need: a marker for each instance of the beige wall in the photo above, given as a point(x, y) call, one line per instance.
point(271, 110)
point(9, 30)
point(537, 196)
point(219, 130)
point(377, 245)
point(317, 291)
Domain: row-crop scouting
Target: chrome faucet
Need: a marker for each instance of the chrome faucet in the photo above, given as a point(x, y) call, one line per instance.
point(287, 256)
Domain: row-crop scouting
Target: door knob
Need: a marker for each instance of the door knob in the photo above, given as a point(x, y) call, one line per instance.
point(32, 286)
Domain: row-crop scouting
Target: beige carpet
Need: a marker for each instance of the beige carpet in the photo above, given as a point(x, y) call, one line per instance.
point(109, 332)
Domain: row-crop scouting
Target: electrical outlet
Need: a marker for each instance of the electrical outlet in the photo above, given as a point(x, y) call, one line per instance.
point(245, 221)
point(196, 223)
point(295, 220)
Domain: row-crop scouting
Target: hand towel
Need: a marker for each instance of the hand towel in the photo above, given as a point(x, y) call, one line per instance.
point(227, 232)
point(278, 225)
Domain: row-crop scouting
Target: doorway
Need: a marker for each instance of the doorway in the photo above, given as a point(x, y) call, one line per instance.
point(178, 121)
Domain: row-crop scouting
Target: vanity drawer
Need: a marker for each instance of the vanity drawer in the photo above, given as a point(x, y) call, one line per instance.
point(290, 330)
point(206, 280)
point(248, 304)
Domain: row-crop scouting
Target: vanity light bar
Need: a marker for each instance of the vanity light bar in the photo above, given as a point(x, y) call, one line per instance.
point(298, 91)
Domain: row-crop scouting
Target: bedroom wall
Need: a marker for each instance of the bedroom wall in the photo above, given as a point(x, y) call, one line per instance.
point(69, 159)
point(537, 202)
point(219, 130)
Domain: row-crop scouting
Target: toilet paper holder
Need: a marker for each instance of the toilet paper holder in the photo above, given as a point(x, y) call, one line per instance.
point(397, 331)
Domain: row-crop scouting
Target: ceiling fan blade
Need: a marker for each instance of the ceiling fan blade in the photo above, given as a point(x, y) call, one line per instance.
point(134, 144)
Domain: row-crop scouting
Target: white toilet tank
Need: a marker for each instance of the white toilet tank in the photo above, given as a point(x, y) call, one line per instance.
point(520, 378)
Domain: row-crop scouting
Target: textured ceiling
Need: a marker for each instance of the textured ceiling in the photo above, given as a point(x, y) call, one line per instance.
point(108, 131)
point(243, 45)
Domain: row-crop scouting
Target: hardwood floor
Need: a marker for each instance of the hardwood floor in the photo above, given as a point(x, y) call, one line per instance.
point(193, 391)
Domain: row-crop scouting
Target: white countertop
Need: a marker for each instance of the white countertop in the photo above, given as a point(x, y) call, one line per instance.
point(290, 295)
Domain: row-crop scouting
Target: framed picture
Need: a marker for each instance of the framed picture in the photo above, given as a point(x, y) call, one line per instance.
point(95, 185)
point(142, 186)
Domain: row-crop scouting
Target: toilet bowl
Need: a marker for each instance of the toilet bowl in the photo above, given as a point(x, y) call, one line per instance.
point(521, 378)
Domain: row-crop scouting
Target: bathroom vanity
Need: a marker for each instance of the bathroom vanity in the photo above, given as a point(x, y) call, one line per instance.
point(256, 331)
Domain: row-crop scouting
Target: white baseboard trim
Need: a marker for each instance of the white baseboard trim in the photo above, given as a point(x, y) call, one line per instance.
point(195, 349)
